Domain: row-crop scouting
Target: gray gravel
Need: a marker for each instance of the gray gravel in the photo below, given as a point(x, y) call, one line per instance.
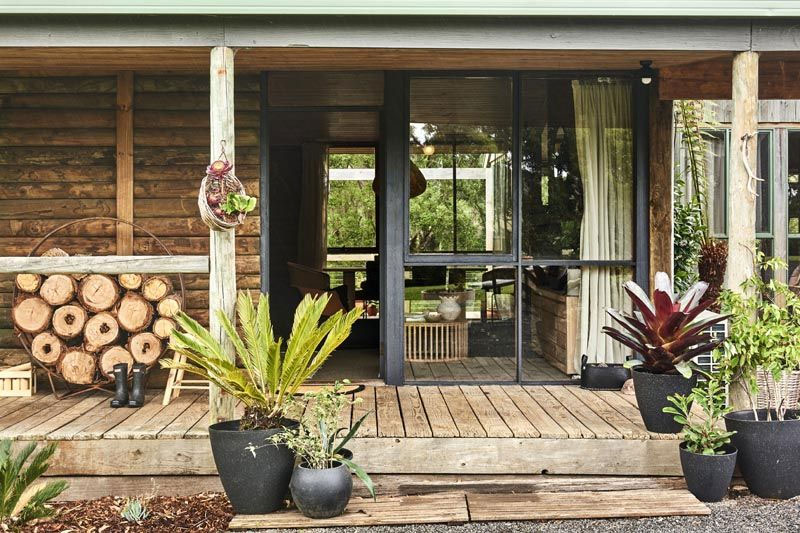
point(743, 514)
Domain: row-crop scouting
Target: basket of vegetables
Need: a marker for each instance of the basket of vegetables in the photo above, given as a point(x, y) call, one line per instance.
point(222, 200)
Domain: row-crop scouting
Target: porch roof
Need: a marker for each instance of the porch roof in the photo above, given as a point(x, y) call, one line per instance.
point(616, 8)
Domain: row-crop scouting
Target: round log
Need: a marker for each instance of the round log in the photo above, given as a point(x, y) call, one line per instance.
point(47, 348)
point(31, 315)
point(55, 252)
point(169, 306)
point(28, 282)
point(114, 355)
point(98, 292)
point(69, 320)
point(58, 289)
point(134, 313)
point(163, 326)
point(78, 367)
point(155, 288)
point(145, 348)
point(130, 282)
point(101, 330)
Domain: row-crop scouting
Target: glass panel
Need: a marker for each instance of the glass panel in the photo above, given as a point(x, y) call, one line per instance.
point(460, 323)
point(351, 198)
point(460, 179)
point(715, 170)
point(563, 313)
point(764, 187)
point(794, 182)
point(577, 169)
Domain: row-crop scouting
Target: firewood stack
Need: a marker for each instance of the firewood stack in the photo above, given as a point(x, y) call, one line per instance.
point(81, 326)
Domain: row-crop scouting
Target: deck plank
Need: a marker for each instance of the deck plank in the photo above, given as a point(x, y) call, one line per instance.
point(414, 418)
point(559, 413)
point(630, 412)
point(611, 416)
point(493, 371)
point(122, 430)
point(459, 371)
point(536, 415)
point(441, 372)
point(40, 431)
point(390, 421)
point(488, 416)
point(366, 406)
point(187, 419)
point(463, 416)
point(422, 371)
point(150, 428)
point(509, 412)
point(41, 416)
point(582, 412)
point(442, 424)
point(28, 408)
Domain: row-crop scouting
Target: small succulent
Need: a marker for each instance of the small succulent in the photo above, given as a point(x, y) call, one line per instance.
point(135, 511)
point(667, 332)
point(238, 203)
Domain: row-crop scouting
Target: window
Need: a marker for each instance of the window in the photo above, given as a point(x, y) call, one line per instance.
point(351, 200)
point(793, 179)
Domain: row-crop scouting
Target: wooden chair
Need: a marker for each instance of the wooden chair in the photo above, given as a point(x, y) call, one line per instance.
point(315, 282)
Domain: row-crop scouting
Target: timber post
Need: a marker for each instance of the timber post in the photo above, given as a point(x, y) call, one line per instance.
point(661, 163)
point(222, 246)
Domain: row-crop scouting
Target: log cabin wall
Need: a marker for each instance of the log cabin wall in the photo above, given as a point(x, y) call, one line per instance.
point(58, 163)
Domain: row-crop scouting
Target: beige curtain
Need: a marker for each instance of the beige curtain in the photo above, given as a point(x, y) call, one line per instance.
point(603, 125)
point(312, 228)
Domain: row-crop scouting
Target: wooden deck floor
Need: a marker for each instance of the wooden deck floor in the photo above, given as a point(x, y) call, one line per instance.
point(483, 369)
point(465, 429)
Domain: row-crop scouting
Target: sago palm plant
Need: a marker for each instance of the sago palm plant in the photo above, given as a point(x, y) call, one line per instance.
point(270, 372)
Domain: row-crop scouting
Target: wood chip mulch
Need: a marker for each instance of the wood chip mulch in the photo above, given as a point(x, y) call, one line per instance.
point(200, 513)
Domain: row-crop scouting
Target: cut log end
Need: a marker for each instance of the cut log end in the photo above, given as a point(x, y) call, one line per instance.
point(155, 288)
point(55, 252)
point(28, 282)
point(98, 292)
point(69, 320)
point(146, 348)
point(113, 356)
point(47, 348)
point(130, 282)
point(134, 313)
point(58, 289)
point(31, 315)
point(169, 306)
point(78, 367)
point(163, 326)
point(101, 330)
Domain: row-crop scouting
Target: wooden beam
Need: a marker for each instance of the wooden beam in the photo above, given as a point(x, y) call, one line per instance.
point(222, 251)
point(661, 138)
point(143, 264)
point(125, 162)
point(741, 185)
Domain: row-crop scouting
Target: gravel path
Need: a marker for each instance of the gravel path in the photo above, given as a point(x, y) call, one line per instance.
point(743, 514)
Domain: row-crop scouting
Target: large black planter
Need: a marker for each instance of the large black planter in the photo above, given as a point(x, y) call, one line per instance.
point(651, 395)
point(321, 493)
point(595, 376)
point(254, 472)
point(708, 476)
point(769, 452)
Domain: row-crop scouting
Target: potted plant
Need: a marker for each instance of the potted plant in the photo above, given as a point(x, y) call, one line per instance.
point(256, 478)
point(321, 483)
point(707, 456)
point(667, 332)
point(764, 337)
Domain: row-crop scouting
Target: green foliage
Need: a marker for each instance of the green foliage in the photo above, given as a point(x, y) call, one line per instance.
point(688, 234)
point(19, 502)
point(702, 436)
point(318, 440)
point(135, 511)
point(762, 333)
point(238, 203)
point(351, 214)
point(272, 373)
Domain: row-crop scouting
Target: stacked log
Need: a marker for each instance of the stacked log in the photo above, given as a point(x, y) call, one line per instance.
point(79, 327)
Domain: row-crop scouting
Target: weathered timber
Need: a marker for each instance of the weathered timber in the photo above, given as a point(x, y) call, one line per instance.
point(661, 168)
point(124, 145)
point(106, 265)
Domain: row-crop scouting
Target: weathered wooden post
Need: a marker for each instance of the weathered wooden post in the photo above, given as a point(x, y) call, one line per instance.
point(742, 186)
point(222, 247)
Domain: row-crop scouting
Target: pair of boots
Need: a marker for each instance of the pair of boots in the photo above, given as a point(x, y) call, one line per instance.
point(134, 398)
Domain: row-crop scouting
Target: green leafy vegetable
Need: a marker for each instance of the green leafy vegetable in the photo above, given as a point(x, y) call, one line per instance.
point(238, 203)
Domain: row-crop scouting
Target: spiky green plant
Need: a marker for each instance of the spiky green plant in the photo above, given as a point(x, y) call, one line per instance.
point(135, 511)
point(271, 372)
point(19, 502)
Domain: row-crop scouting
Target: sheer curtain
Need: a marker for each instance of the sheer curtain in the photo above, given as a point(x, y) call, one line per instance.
point(312, 228)
point(603, 124)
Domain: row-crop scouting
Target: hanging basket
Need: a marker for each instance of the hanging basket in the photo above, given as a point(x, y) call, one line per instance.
point(218, 183)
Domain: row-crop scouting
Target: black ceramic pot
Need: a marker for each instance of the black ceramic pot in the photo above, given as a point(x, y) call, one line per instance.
point(602, 377)
point(321, 493)
point(651, 395)
point(708, 476)
point(769, 452)
point(254, 472)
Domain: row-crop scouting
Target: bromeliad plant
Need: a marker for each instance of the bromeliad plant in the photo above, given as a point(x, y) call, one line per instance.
point(667, 332)
point(271, 372)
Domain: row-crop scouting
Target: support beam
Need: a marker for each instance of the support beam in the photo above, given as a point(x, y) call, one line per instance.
point(661, 145)
point(741, 187)
point(125, 162)
point(222, 250)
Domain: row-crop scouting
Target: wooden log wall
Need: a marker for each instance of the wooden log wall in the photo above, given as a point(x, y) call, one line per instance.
point(58, 163)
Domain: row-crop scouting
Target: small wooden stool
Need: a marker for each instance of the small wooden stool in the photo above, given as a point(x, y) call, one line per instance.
point(176, 382)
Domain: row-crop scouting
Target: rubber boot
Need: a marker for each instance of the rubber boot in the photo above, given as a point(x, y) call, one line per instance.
point(136, 398)
point(121, 383)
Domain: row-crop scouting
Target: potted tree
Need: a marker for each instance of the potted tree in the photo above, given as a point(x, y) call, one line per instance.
point(256, 478)
point(764, 339)
point(707, 456)
point(321, 483)
point(667, 332)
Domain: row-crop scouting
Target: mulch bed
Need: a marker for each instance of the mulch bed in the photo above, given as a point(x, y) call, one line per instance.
point(200, 513)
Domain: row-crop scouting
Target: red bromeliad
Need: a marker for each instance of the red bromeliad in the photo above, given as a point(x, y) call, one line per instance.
point(667, 332)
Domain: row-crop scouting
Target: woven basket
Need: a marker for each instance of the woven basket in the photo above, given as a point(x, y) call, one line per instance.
point(789, 382)
point(210, 184)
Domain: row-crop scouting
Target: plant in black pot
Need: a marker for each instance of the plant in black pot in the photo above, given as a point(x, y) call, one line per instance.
point(764, 338)
point(321, 483)
point(255, 477)
point(707, 456)
point(667, 332)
